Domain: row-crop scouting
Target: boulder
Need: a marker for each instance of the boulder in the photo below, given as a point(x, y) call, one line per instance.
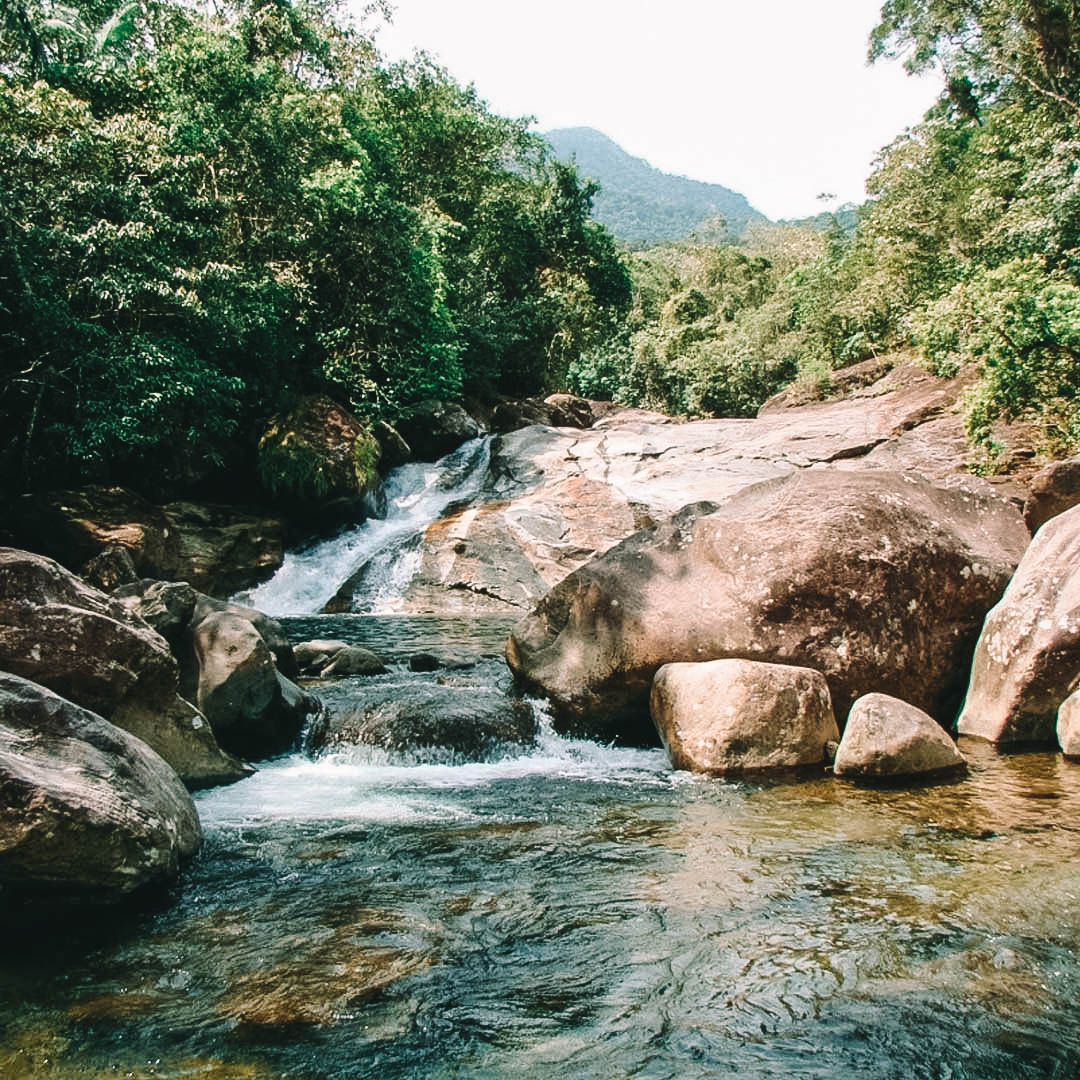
point(1068, 725)
point(464, 715)
point(737, 716)
point(87, 811)
point(94, 650)
point(254, 710)
point(317, 452)
point(569, 410)
point(269, 629)
point(313, 656)
point(435, 428)
point(217, 549)
point(110, 569)
point(878, 580)
point(885, 737)
point(79, 642)
point(510, 415)
point(1027, 661)
point(353, 660)
point(222, 549)
point(1053, 490)
point(167, 606)
point(556, 497)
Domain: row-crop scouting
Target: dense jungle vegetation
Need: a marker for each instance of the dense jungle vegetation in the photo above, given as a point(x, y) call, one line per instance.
point(207, 210)
point(968, 247)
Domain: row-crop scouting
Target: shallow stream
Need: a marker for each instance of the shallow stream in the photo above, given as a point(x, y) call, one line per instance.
point(578, 911)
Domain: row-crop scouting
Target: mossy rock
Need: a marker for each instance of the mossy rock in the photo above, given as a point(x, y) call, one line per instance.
point(317, 452)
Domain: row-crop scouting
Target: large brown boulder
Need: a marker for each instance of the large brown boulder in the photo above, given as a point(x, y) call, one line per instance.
point(217, 549)
point(886, 738)
point(736, 716)
point(1053, 490)
point(87, 811)
point(878, 580)
point(254, 710)
point(1028, 657)
point(90, 648)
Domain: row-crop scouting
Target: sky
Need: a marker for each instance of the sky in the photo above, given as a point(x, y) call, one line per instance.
point(772, 99)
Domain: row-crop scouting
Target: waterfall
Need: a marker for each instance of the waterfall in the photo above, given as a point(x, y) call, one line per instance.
point(385, 547)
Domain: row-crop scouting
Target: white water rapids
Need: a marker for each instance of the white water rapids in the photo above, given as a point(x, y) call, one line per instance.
point(386, 544)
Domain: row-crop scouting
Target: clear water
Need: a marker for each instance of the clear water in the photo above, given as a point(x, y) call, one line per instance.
point(581, 911)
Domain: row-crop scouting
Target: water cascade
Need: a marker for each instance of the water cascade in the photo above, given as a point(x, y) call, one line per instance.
point(383, 547)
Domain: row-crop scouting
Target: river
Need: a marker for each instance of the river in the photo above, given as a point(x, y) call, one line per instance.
point(575, 910)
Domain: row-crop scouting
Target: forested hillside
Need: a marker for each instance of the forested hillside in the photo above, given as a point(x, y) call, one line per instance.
point(208, 209)
point(643, 206)
point(968, 248)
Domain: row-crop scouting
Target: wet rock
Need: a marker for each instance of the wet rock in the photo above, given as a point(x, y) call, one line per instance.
point(465, 714)
point(109, 569)
point(434, 428)
point(313, 656)
point(1028, 655)
point(167, 606)
point(879, 581)
point(510, 415)
point(1053, 491)
point(423, 661)
point(885, 737)
point(393, 449)
point(735, 716)
point(87, 811)
point(353, 660)
point(269, 629)
point(1068, 726)
point(254, 710)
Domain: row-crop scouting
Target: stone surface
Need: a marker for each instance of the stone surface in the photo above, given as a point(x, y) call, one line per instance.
point(735, 716)
point(109, 569)
point(1054, 490)
point(167, 606)
point(353, 660)
point(435, 428)
point(79, 642)
point(1068, 725)
point(254, 710)
point(880, 581)
point(885, 737)
point(465, 714)
point(558, 497)
point(215, 548)
point(313, 656)
point(87, 811)
point(1028, 657)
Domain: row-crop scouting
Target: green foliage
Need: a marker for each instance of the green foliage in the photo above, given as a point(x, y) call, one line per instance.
point(203, 215)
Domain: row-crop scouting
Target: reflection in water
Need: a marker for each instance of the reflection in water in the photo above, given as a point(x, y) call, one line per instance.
point(580, 910)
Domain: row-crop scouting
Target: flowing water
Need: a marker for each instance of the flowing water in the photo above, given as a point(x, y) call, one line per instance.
point(573, 910)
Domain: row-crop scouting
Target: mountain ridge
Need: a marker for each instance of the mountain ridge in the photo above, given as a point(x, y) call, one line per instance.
point(643, 205)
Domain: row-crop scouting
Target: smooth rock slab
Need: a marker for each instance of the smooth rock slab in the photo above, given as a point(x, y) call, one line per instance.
point(886, 737)
point(734, 716)
point(1027, 660)
point(86, 810)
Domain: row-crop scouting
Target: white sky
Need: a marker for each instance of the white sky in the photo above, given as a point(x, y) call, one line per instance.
point(774, 100)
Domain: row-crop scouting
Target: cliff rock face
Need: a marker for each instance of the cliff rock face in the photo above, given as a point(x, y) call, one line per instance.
point(878, 580)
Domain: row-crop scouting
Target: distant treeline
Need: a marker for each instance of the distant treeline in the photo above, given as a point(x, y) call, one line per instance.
point(968, 248)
